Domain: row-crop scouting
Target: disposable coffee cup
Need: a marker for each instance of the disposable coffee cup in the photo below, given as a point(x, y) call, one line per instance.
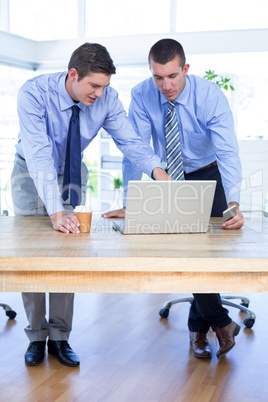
point(84, 218)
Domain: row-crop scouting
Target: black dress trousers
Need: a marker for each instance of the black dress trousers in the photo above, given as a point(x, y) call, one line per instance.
point(206, 310)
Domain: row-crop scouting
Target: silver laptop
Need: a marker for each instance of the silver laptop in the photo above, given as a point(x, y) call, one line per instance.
point(167, 207)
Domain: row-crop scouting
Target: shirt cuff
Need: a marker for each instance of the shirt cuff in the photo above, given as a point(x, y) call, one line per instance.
point(54, 206)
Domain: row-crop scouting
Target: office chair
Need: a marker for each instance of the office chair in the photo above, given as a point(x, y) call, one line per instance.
point(243, 306)
point(9, 312)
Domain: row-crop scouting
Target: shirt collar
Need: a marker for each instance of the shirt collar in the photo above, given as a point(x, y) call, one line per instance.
point(183, 96)
point(65, 100)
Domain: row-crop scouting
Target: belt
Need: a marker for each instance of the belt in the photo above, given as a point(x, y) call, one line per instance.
point(208, 166)
point(20, 157)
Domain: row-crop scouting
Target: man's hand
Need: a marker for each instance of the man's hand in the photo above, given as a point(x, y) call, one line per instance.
point(118, 213)
point(236, 222)
point(65, 223)
point(160, 174)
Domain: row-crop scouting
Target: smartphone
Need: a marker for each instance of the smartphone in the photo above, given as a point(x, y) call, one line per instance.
point(229, 213)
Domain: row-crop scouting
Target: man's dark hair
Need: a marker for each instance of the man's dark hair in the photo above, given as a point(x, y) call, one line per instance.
point(165, 50)
point(91, 58)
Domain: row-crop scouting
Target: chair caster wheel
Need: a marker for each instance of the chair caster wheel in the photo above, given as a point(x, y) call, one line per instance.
point(249, 322)
point(11, 314)
point(164, 312)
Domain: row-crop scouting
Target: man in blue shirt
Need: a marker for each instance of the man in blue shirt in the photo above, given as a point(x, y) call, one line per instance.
point(45, 108)
point(209, 151)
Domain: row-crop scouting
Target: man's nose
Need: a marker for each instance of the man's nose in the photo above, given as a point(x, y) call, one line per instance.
point(99, 92)
point(166, 84)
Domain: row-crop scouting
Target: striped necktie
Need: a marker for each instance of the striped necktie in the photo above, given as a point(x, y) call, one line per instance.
point(72, 171)
point(173, 148)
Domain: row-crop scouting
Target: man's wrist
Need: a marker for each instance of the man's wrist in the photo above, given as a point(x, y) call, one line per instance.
point(160, 174)
point(56, 216)
point(233, 203)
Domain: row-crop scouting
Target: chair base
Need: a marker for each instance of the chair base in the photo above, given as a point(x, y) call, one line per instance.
point(9, 312)
point(243, 306)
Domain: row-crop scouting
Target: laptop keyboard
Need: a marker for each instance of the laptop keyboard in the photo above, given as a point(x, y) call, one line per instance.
point(120, 224)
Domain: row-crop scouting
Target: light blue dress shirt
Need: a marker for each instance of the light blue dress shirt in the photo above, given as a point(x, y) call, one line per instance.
point(44, 108)
point(206, 130)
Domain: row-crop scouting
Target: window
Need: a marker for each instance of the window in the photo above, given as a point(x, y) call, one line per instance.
point(121, 17)
point(248, 101)
point(196, 15)
point(44, 20)
point(11, 80)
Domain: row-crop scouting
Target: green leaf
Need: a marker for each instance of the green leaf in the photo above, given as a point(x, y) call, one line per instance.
point(222, 82)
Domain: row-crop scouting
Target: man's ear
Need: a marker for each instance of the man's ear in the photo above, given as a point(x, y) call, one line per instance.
point(186, 69)
point(73, 74)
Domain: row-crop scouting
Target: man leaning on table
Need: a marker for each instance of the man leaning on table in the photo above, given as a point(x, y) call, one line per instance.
point(59, 115)
point(204, 149)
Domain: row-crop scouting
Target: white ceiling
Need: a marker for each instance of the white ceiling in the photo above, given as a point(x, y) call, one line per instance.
point(126, 50)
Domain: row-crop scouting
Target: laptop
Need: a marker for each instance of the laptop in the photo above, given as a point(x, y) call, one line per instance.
point(155, 207)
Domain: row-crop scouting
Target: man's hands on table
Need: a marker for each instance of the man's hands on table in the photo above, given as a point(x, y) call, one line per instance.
point(65, 223)
point(235, 223)
point(159, 174)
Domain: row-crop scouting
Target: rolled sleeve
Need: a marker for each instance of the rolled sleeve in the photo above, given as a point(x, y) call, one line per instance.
point(221, 125)
point(37, 149)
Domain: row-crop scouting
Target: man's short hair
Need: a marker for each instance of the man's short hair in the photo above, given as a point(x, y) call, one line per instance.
point(91, 58)
point(165, 50)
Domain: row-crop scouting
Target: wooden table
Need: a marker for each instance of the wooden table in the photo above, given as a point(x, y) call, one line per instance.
point(35, 258)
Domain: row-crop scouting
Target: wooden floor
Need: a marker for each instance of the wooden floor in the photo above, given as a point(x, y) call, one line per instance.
point(129, 354)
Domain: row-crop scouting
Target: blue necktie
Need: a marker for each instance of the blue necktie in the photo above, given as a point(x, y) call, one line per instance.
point(173, 147)
point(72, 171)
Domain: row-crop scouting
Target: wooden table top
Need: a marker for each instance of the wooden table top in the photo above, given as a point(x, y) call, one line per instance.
point(34, 257)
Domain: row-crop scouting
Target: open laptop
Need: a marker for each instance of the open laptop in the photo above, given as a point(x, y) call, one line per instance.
point(167, 207)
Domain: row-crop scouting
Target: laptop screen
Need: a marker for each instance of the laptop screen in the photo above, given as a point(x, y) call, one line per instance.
point(168, 206)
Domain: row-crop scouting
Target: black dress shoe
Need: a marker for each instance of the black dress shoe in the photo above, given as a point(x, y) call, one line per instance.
point(64, 353)
point(35, 353)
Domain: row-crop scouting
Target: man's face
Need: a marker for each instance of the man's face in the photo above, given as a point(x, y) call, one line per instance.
point(170, 77)
point(88, 89)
